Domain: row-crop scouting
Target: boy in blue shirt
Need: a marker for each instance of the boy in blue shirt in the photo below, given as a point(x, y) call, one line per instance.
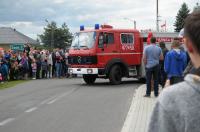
point(175, 63)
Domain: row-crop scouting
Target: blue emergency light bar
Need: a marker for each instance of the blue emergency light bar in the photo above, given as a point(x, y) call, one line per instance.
point(81, 27)
point(96, 26)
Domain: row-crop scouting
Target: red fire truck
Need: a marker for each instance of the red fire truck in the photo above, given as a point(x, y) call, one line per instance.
point(108, 53)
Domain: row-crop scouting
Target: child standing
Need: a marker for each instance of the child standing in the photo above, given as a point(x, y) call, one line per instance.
point(34, 68)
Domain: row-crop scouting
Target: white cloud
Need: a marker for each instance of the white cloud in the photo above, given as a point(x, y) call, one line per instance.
point(85, 17)
point(49, 11)
point(87, 12)
point(59, 1)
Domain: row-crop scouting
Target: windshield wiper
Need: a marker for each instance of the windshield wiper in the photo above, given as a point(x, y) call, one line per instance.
point(84, 46)
point(75, 47)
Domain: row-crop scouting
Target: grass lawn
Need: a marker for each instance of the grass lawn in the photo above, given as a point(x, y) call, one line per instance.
point(11, 84)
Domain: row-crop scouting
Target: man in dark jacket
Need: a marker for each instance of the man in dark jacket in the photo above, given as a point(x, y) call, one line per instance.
point(162, 74)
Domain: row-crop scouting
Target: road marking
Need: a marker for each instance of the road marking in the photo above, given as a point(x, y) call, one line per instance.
point(47, 100)
point(52, 101)
point(31, 110)
point(44, 102)
point(57, 98)
point(6, 121)
point(60, 96)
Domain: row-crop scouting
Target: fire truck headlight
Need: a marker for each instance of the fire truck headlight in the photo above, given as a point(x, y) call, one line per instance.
point(70, 71)
point(89, 71)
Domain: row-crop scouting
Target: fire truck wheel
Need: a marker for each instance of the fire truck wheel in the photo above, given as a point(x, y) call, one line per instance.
point(89, 79)
point(115, 75)
point(142, 80)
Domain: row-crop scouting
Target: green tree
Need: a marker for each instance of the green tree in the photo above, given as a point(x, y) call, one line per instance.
point(55, 37)
point(182, 14)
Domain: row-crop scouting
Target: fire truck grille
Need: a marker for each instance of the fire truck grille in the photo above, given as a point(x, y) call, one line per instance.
point(79, 60)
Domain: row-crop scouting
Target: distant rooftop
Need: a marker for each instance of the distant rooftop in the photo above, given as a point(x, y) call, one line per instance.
point(12, 36)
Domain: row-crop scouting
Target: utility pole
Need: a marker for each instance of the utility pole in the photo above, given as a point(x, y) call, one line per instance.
point(157, 17)
point(52, 34)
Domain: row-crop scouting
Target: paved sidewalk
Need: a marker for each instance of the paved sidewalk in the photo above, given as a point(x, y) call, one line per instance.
point(140, 111)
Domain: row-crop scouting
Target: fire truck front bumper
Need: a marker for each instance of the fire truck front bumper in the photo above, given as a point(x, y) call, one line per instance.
point(83, 70)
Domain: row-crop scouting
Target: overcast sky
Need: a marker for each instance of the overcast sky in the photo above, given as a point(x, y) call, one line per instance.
point(28, 16)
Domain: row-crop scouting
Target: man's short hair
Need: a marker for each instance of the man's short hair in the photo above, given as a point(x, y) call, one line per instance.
point(153, 40)
point(192, 29)
point(176, 43)
point(162, 44)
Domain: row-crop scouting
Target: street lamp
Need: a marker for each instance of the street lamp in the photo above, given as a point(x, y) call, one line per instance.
point(52, 34)
point(131, 21)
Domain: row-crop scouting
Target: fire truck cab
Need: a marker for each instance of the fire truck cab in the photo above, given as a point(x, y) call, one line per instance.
point(106, 53)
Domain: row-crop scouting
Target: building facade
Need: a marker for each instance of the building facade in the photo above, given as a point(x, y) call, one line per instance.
point(10, 38)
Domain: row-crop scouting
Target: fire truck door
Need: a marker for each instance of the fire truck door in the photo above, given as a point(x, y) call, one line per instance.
point(108, 46)
point(128, 50)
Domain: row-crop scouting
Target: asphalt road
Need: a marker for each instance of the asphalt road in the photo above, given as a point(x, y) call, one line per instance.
point(65, 105)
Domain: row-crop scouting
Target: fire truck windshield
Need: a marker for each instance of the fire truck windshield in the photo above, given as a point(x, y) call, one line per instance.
point(83, 40)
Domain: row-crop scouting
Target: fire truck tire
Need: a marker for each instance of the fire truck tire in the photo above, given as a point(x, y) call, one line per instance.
point(89, 79)
point(115, 75)
point(142, 80)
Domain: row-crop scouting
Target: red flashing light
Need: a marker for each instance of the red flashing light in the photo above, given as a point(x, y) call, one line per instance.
point(106, 26)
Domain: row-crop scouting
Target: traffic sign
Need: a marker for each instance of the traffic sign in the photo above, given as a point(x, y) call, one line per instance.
point(17, 47)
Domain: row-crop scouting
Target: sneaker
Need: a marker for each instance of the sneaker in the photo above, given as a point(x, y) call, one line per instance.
point(146, 95)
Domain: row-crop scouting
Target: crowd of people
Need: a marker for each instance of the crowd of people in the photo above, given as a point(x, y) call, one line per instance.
point(165, 66)
point(33, 63)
